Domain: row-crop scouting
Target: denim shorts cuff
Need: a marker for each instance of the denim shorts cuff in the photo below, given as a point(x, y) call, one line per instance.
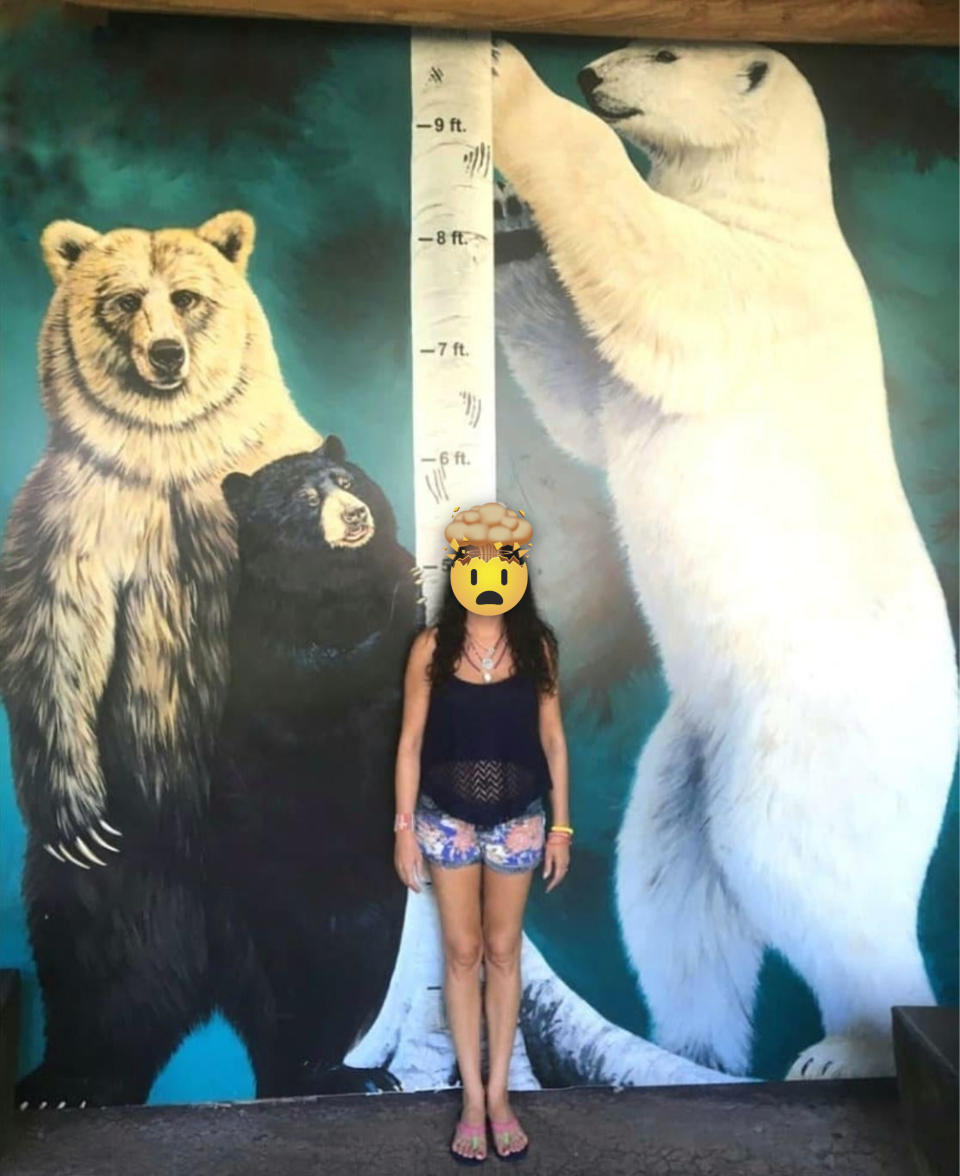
point(436, 861)
point(515, 869)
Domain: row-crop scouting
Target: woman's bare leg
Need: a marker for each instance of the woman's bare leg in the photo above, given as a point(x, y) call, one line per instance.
point(504, 900)
point(457, 890)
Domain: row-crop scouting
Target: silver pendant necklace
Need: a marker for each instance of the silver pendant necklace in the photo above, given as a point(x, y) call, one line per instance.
point(489, 658)
point(486, 654)
point(488, 664)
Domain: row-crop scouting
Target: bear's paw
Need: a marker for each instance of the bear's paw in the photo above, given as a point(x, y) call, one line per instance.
point(92, 847)
point(515, 85)
point(845, 1057)
point(48, 1088)
point(342, 1079)
point(516, 237)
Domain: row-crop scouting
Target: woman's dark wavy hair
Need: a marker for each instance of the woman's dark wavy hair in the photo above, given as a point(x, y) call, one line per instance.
point(526, 633)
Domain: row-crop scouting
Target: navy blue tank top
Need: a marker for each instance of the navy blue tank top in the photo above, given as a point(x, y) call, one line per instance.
point(481, 759)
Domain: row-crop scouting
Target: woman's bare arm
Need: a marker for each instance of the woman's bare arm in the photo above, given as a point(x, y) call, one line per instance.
point(408, 859)
point(416, 703)
point(555, 749)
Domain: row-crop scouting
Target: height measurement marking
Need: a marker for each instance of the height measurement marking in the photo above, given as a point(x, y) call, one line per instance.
point(442, 237)
point(451, 279)
point(439, 124)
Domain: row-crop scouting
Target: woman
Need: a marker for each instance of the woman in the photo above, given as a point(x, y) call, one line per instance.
point(481, 748)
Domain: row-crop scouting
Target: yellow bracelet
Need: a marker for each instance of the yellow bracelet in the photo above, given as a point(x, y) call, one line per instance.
point(561, 829)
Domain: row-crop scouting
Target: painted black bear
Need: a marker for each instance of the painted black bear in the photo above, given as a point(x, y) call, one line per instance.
point(310, 909)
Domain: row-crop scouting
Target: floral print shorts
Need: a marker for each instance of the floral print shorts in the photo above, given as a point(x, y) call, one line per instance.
point(511, 847)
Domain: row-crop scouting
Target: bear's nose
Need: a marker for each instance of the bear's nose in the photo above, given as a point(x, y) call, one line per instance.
point(167, 356)
point(588, 80)
point(355, 515)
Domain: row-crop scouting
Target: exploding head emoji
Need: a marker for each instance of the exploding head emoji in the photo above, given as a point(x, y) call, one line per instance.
point(488, 575)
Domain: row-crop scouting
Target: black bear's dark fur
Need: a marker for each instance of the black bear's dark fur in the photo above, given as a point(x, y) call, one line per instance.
point(302, 785)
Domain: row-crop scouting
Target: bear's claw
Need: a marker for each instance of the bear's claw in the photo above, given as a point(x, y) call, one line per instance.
point(62, 853)
point(42, 1106)
point(839, 1056)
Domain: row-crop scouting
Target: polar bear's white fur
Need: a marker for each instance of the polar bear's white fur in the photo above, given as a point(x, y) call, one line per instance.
point(792, 793)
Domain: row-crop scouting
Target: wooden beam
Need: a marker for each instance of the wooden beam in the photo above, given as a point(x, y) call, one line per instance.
point(904, 22)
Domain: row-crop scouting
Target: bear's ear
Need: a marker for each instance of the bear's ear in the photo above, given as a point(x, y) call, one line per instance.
point(333, 449)
point(754, 74)
point(62, 243)
point(238, 490)
point(232, 233)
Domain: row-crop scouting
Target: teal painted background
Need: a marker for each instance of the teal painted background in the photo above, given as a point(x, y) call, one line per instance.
point(157, 122)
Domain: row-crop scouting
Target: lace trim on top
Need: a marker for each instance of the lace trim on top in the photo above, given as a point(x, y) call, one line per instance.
point(492, 789)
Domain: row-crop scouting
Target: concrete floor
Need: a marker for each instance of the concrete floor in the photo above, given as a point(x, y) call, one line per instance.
point(846, 1128)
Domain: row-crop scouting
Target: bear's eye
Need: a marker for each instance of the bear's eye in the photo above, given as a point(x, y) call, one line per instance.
point(184, 299)
point(665, 56)
point(343, 481)
point(310, 495)
point(128, 303)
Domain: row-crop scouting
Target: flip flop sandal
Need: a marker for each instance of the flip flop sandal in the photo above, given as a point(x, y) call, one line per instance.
point(474, 1135)
point(508, 1127)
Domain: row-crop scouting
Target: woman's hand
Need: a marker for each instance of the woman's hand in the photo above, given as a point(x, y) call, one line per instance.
point(556, 860)
point(408, 860)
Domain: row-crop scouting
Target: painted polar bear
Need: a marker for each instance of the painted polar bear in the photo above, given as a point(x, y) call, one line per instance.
point(707, 337)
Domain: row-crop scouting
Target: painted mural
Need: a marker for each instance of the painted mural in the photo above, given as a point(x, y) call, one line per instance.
point(726, 320)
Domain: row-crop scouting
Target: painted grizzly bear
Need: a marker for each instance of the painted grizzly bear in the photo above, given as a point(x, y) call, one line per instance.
point(159, 378)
